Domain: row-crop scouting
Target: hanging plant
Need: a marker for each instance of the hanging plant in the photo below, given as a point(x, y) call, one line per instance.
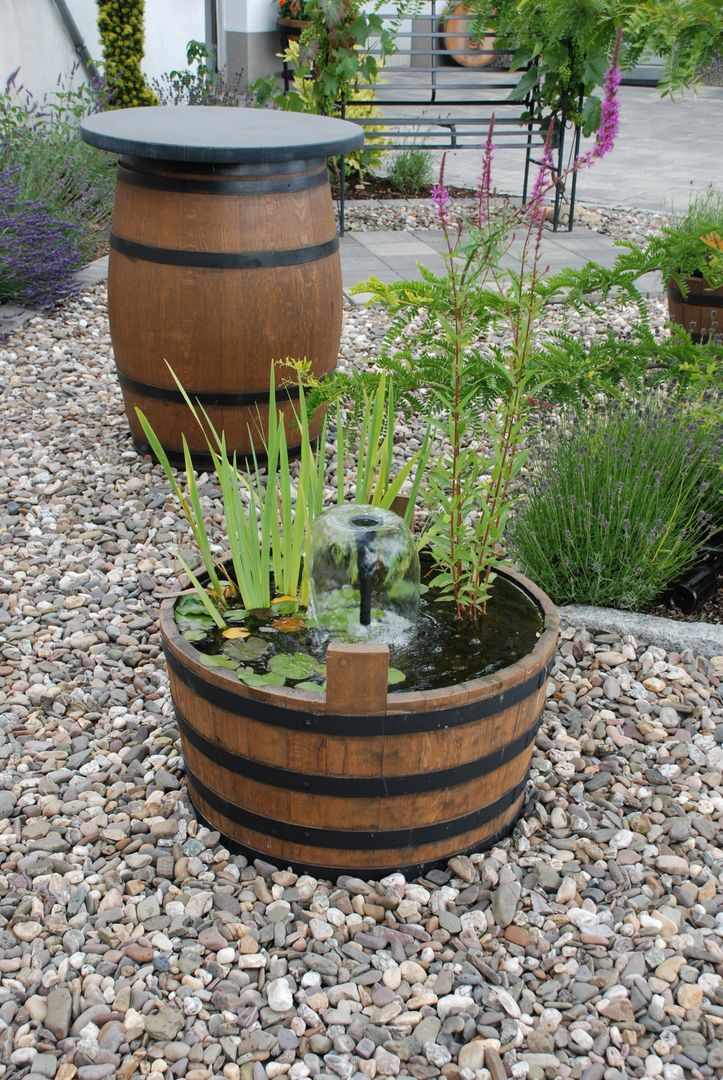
point(120, 24)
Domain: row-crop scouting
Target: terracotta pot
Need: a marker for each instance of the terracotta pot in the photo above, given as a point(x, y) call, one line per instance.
point(457, 40)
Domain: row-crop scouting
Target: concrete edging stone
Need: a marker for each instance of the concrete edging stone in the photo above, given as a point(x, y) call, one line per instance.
point(673, 635)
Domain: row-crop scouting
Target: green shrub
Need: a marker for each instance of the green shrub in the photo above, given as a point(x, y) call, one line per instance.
point(411, 172)
point(621, 502)
point(120, 25)
point(41, 141)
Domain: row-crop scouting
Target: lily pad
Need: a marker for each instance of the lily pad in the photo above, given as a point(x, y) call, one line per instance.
point(190, 605)
point(252, 678)
point(235, 633)
point(298, 666)
point(311, 687)
point(250, 649)
point(395, 676)
point(216, 660)
point(195, 635)
point(234, 616)
point(194, 622)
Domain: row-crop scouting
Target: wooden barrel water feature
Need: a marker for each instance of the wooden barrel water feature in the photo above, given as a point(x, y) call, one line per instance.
point(360, 780)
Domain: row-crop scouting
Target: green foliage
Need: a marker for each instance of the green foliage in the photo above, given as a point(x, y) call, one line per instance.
point(373, 450)
point(120, 25)
point(619, 503)
point(334, 52)
point(566, 44)
point(573, 372)
point(304, 98)
point(692, 242)
point(689, 245)
point(41, 139)
point(200, 83)
point(411, 171)
point(268, 530)
point(688, 34)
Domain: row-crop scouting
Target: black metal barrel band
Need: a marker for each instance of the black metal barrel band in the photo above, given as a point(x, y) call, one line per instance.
point(223, 260)
point(410, 870)
point(323, 723)
point(206, 397)
point(353, 839)
point(278, 185)
point(354, 787)
point(705, 299)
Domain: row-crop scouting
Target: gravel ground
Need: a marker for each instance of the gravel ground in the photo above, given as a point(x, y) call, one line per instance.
point(587, 945)
point(368, 215)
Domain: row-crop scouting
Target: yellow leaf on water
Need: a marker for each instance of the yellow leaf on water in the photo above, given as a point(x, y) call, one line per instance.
point(289, 624)
point(283, 599)
point(235, 632)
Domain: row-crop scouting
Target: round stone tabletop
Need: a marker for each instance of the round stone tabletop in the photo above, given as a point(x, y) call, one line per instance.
point(217, 133)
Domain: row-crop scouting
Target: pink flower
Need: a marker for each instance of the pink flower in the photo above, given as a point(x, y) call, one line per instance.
point(610, 114)
point(442, 201)
point(485, 180)
point(535, 210)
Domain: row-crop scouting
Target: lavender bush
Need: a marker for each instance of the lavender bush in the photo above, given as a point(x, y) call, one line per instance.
point(619, 503)
point(63, 189)
point(38, 251)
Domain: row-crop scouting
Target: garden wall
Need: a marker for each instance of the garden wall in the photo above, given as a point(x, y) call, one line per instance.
point(33, 36)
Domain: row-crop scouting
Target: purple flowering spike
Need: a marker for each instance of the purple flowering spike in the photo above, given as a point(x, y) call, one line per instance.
point(441, 198)
point(484, 190)
point(535, 209)
point(610, 114)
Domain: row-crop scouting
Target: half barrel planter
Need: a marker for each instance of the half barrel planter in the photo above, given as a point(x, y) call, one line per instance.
point(224, 257)
point(700, 312)
point(360, 780)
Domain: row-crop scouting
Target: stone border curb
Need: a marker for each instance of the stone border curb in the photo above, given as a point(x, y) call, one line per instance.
point(703, 639)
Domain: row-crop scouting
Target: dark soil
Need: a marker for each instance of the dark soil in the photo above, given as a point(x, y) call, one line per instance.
point(378, 187)
point(711, 611)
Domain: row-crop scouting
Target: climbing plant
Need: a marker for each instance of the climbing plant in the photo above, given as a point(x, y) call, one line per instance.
point(120, 24)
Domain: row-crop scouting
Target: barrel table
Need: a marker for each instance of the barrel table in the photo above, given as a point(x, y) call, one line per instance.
point(224, 258)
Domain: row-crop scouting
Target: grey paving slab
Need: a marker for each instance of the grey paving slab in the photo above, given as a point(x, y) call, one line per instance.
point(667, 149)
point(393, 255)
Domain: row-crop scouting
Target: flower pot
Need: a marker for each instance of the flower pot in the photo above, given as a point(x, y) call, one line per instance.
point(291, 29)
point(457, 41)
point(701, 312)
point(360, 780)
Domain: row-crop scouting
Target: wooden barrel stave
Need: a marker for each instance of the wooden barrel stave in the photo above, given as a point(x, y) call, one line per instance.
point(174, 299)
point(325, 811)
point(701, 313)
point(410, 857)
point(278, 775)
point(311, 751)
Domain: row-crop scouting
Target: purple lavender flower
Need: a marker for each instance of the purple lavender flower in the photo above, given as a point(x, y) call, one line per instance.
point(38, 252)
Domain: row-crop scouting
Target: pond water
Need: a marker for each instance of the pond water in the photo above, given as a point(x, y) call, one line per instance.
point(277, 647)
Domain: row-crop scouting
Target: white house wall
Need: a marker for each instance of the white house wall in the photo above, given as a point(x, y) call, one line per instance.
point(34, 38)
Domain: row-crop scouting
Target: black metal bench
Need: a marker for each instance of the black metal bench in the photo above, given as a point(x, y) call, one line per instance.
point(433, 84)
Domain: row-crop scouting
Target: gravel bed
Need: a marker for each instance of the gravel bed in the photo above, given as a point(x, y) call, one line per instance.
point(132, 943)
point(370, 215)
